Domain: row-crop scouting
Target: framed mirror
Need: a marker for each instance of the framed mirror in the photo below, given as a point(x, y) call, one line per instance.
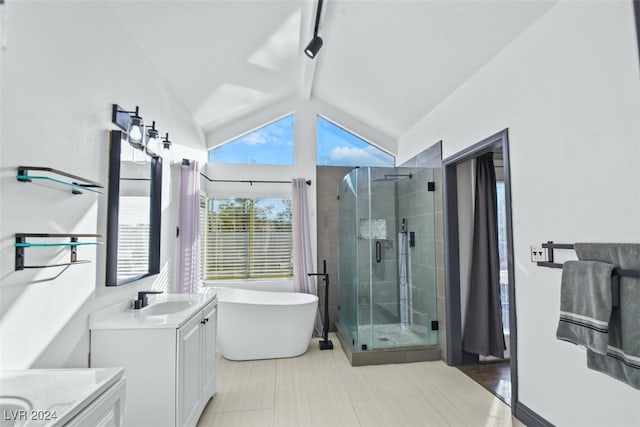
point(134, 212)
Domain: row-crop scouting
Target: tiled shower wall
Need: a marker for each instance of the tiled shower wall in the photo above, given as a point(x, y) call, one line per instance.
point(327, 178)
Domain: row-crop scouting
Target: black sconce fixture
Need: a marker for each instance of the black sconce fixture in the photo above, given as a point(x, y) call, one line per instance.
point(166, 143)
point(136, 130)
point(153, 139)
point(131, 123)
point(316, 43)
point(139, 136)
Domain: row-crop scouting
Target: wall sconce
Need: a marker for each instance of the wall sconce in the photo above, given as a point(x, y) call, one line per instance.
point(131, 123)
point(139, 136)
point(153, 139)
point(166, 143)
point(136, 130)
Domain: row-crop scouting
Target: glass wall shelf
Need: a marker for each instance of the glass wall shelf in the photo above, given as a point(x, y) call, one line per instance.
point(21, 243)
point(77, 185)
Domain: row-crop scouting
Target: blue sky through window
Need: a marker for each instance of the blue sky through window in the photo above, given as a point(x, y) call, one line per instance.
point(273, 144)
point(269, 145)
point(338, 147)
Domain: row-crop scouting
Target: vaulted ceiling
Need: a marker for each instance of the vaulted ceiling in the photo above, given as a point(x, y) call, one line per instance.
point(386, 63)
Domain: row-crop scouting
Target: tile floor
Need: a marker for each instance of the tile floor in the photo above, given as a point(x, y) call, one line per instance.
point(320, 388)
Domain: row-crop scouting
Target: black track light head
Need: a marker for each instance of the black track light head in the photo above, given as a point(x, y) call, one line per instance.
point(313, 47)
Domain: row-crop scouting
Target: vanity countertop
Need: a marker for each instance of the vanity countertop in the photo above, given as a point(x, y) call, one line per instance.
point(51, 397)
point(123, 316)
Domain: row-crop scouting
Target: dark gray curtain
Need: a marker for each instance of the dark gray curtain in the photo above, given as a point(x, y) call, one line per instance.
point(483, 322)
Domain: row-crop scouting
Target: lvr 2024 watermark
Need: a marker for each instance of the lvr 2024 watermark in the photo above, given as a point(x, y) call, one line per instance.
point(24, 415)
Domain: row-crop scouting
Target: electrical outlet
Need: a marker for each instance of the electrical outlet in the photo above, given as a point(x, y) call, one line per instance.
point(538, 253)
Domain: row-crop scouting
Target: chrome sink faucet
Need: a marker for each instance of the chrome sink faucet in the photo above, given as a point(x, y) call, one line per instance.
point(143, 299)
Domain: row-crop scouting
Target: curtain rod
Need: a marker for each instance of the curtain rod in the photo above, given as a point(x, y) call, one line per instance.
point(186, 162)
point(250, 182)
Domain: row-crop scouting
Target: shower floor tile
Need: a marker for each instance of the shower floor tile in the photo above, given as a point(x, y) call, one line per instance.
point(395, 335)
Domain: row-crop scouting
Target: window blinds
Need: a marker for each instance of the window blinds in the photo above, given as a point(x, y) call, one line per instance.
point(247, 238)
point(133, 237)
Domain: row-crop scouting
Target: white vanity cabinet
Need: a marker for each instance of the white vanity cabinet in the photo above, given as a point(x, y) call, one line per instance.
point(169, 360)
point(63, 397)
point(106, 411)
point(196, 365)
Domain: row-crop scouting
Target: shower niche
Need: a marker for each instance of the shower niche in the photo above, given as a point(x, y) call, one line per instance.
point(387, 265)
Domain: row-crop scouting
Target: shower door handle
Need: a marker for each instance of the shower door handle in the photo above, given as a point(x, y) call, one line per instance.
point(378, 251)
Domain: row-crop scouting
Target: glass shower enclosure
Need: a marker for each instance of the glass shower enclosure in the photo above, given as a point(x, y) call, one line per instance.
point(387, 268)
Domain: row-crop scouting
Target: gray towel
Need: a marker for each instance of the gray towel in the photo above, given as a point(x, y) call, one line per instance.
point(585, 304)
point(622, 360)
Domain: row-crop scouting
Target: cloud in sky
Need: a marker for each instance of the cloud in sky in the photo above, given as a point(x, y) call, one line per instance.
point(254, 138)
point(339, 147)
point(271, 144)
point(370, 156)
point(279, 132)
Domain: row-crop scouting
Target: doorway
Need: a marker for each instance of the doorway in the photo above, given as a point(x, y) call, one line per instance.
point(493, 374)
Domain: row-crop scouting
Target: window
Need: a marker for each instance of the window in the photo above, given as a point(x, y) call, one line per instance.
point(338, 147)
point(271, 144)
point(502, 250)
point(247, 239)
point(202, 214)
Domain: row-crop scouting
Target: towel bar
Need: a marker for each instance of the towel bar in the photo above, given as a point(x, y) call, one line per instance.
point(550, 246)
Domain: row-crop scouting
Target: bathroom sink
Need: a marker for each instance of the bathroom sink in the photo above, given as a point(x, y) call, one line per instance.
point(164, 310)
point(15, 411)
point(166, 307)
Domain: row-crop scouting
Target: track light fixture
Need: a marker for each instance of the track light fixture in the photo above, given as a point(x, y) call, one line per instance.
point(313, 47)
point(315, 44)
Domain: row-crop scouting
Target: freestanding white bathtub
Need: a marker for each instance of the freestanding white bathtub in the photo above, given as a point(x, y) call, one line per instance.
point(264, 325)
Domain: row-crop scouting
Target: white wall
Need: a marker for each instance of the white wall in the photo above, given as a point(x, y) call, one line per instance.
point(64, 66)
point(568, 90)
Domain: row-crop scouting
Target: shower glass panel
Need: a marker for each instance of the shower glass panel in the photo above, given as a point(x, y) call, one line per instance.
point(347, 274)
point(364, 252)
point(387, 258)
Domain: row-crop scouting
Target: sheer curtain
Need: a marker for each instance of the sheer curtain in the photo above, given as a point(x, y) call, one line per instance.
point(302, 255)
point(483, 322)
point(187, 259)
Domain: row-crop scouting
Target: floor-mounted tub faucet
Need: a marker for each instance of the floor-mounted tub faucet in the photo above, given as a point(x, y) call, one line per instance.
point(325, 343)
